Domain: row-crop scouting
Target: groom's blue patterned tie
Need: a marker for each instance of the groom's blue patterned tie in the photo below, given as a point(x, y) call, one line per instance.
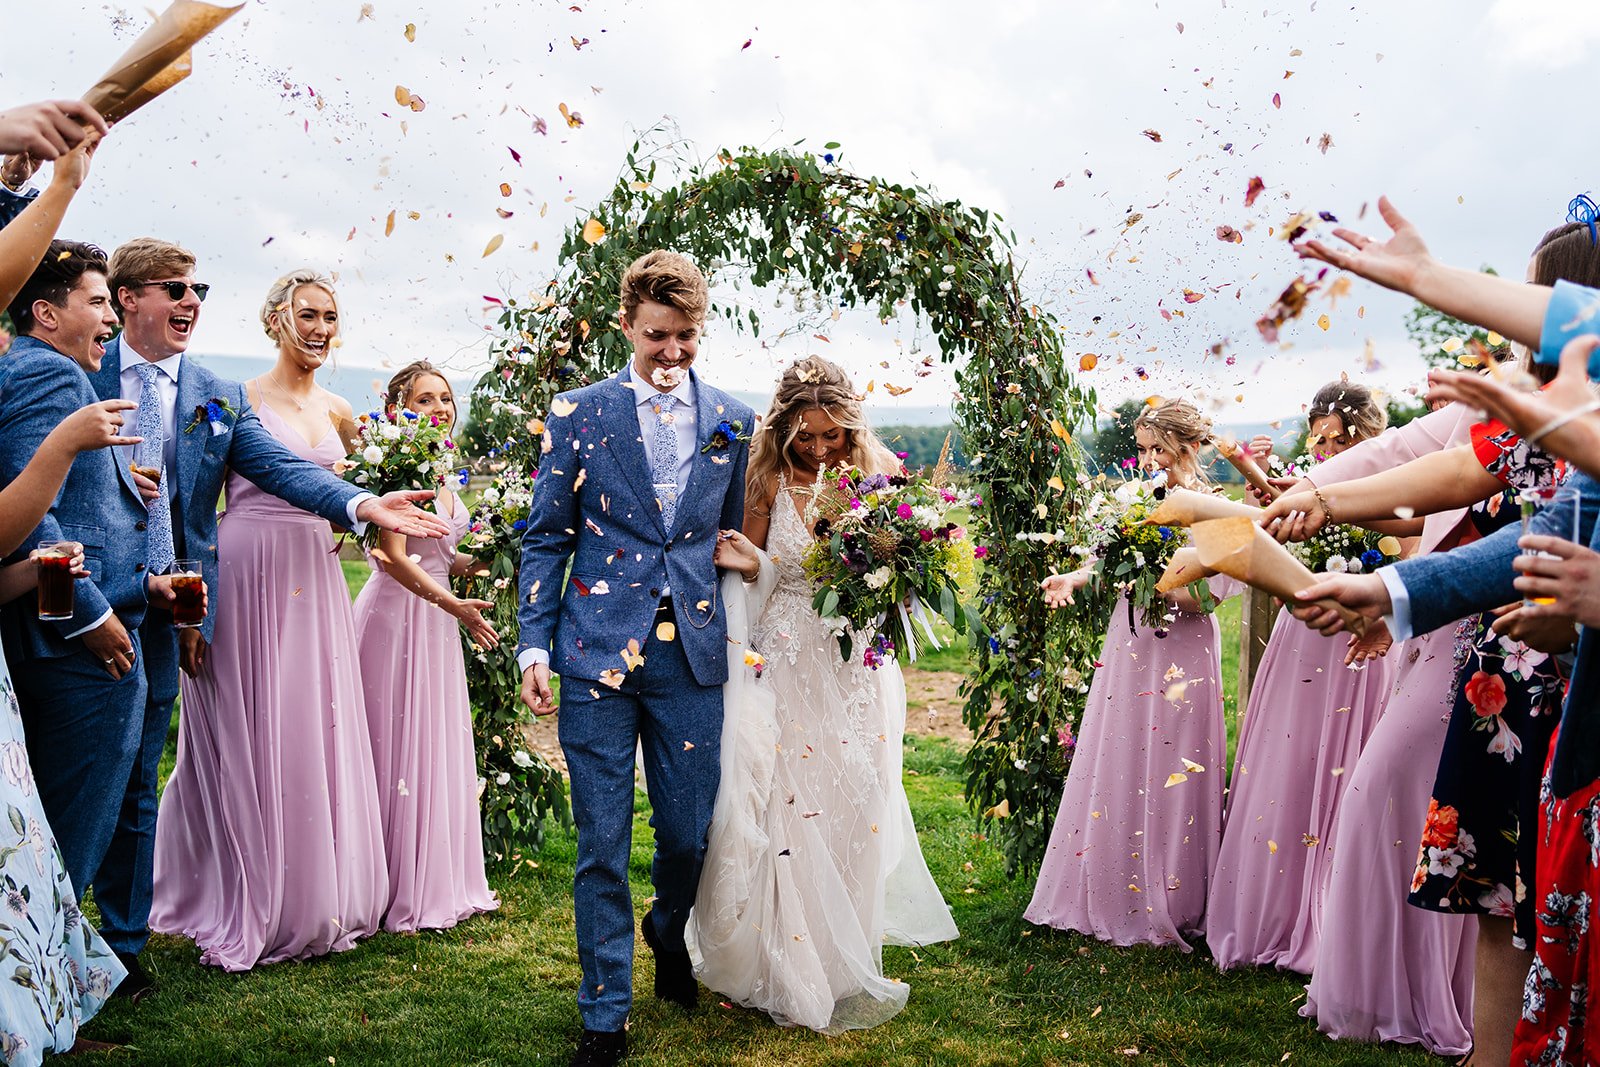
point(664, 458)
point(152, 453)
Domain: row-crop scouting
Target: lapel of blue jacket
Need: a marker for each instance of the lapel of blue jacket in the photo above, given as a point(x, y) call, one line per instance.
point(191, 439)
point(107, 382)
point(619, 420)
point(706, 419)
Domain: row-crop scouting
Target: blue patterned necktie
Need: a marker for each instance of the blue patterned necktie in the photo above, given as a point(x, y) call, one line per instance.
point(152, 453)
point(664, 458)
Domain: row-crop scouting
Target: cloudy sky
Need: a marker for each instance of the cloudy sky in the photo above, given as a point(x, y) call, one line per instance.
point(287, 148)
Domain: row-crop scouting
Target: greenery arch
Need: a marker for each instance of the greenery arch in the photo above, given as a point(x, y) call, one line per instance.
point(790, 218)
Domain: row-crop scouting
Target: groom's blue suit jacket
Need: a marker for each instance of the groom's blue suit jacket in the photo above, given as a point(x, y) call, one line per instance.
point(593, 503)
point(1446, 586)
point(205, 453)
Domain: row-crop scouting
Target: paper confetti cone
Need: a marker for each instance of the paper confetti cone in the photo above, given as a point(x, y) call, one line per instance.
point(1245, 464)
point(1185, 507)
point(1184, 568)
point(1240, 549)
point(157, 60)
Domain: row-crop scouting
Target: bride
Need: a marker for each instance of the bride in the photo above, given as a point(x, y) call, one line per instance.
point(813, 861)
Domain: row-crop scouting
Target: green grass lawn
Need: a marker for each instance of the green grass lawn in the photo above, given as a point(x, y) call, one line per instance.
point(499, 989)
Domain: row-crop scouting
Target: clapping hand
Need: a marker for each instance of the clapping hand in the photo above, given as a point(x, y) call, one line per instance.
point(1568, 577)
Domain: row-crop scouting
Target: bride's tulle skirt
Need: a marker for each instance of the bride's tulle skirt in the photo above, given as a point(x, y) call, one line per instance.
point(813, 861)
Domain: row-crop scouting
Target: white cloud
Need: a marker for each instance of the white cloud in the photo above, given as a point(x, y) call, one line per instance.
point(1543, 33)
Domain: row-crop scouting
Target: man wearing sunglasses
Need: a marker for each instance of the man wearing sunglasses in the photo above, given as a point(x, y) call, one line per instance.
point(206, 428)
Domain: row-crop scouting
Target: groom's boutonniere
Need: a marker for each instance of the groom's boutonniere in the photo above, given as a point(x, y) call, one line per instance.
point(217, 412)
point(724, 435)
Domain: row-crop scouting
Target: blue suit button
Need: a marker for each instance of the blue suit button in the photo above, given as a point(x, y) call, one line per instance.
point(139, 525)
point(138, 567)
point(655, 592)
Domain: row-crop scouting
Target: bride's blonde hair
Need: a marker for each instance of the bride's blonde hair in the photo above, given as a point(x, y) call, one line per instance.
point(812, 382)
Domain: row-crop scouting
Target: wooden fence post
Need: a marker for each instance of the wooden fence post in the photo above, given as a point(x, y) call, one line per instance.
point(1256, 616)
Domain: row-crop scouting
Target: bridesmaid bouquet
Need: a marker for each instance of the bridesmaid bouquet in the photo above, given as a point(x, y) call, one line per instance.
point(389, 454)
point(500, 516)
point(886, 552)
point(1114, 527)
point(1339, 549)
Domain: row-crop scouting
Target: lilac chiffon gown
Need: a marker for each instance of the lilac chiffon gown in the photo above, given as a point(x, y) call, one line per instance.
point(1308, 718)
point(1137, 831)
point(269, 845)
point(415, 679)
point(1385, 971)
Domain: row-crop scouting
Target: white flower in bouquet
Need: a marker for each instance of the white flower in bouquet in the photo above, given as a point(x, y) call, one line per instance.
point(1336, 565)
point(372, 454)
point(879, 578)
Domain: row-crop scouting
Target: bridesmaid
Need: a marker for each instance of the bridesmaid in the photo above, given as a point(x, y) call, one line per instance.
point(269, 845)
point(415, 679)
point(1308, 717)
point(1129, 858)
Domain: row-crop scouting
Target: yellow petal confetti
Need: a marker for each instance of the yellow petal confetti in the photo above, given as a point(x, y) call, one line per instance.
point(1175, 778)
point(388, 226)
point(560, 407)
point(1324, 322)
point(1452, 346)
point(1272, 848)
point(1057, 484)
point(1175, 693)
point(593, 231)
point(402, 96)
point(1495, 340)
point(1059, 429)
point(1191, 766)
point(1389, 546)
point(666, 631)
point(494, 245)
point(631, 656)
point(573, 118)
point(612, 677)
point(688, 746)
point(999, 811)
point(411, 31)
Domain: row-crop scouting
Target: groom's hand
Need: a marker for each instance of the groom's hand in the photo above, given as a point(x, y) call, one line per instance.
point(399, 512)
point(536, 689)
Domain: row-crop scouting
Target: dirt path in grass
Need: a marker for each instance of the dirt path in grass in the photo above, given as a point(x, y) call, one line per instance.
point(933, 709)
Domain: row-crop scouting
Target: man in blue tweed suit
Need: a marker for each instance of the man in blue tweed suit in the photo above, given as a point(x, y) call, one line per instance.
point(641, 473)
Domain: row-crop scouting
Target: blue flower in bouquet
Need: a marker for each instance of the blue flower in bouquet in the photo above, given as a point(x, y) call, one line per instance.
point(1371, 558)
point(1165, 532)
point(463, 477)
point(520, 525)
point(874, 483)
point(408, 413)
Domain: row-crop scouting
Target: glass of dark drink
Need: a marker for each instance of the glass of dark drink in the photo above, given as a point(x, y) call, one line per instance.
point(153, 473)
point(188, 589)
point(55, 580)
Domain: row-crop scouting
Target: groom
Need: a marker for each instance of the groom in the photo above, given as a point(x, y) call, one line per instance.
point(640, 473)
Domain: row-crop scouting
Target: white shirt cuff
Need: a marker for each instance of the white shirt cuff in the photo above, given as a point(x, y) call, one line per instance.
point(92, 626)
point(1399, 618)
point(357, 527)
point(529, 656)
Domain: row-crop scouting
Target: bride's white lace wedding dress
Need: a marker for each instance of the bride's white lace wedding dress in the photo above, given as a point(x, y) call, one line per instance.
point(813, 861)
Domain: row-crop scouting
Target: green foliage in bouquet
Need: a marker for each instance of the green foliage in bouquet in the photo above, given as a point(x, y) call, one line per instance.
point(402, 452)
point(885, 553)
point(1113, 527)
point(806, 223)
point(520, 787)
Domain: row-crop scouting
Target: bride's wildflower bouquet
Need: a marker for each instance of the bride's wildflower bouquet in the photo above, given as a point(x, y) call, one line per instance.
point(886, 552)
point(1112, 527)
point(403, 452)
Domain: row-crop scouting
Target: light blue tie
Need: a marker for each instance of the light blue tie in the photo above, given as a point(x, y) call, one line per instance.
point(664, 458)
point(152, 453)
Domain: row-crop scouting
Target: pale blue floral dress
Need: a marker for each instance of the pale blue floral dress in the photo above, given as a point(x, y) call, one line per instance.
point(55, 971)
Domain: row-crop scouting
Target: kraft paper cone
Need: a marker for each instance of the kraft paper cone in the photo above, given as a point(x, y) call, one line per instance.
point(1184, 568)
point(157, 60)
point(1245, 464)
point(1185, 507)
point(349, 432)
point(1240, 549)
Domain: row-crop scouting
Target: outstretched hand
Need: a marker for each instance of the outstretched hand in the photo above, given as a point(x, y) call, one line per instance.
point(1294, 516)
point(480, 629)
point(1058, 588)
point(398, 511)
point(1364, 594)
point(1560, 419)
point(1394, 264)
point(48, 130)
point(1374, 644)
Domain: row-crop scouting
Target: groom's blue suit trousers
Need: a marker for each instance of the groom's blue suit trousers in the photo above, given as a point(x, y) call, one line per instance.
point(678, 722)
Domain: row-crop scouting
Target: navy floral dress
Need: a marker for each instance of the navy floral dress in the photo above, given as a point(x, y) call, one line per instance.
point(1473, 858)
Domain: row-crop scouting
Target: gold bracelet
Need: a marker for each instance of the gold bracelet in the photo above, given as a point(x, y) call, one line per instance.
point(1327, 511)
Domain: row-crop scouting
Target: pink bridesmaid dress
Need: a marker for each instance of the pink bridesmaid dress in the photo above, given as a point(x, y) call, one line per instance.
point(269, 845)
point(1308, 718)
point(1137, 831)
point(415, 679)
point(1385, 971)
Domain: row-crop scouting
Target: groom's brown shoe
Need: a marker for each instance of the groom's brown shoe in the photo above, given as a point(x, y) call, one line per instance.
point(600, 1048)
point(675, 980)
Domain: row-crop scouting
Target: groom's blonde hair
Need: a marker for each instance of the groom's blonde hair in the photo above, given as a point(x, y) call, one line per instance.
point(665, 278)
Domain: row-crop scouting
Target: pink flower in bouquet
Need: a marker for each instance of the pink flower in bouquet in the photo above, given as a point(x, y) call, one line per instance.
point(925, 534)
point(979, 551)
point(947, 496)
point(903, 511)
point(957, 532)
